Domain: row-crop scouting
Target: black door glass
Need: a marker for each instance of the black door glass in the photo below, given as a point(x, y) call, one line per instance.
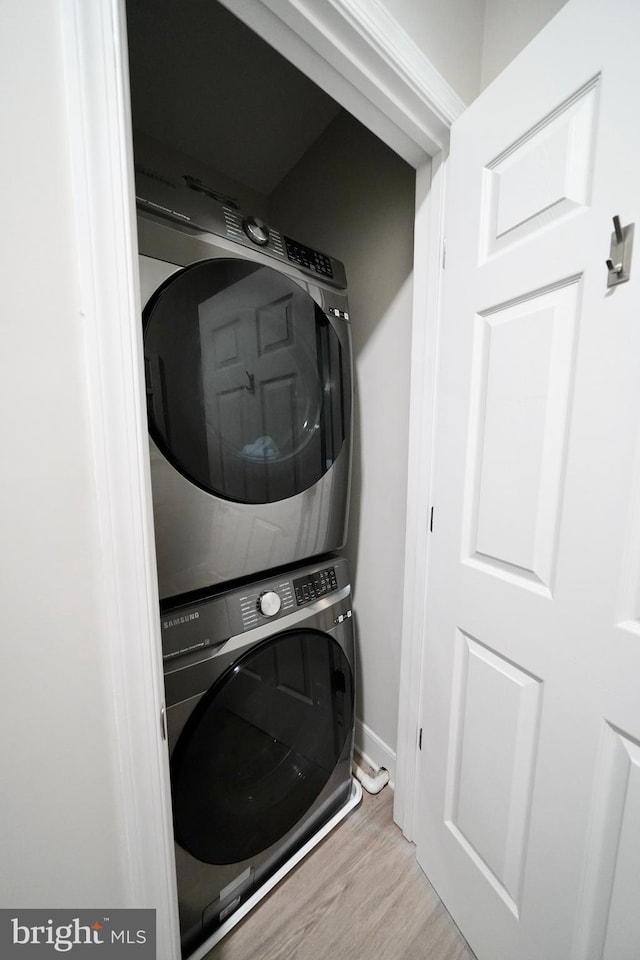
point(246, 389)
point(260, 746)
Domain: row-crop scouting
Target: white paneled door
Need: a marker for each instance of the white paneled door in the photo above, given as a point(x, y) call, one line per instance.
point(528, 814)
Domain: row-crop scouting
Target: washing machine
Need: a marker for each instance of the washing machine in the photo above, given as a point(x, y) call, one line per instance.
point(249, 388)
point(260, 716)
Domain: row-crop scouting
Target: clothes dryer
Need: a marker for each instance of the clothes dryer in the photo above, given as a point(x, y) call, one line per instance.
point(260, 713)
point(248, 377)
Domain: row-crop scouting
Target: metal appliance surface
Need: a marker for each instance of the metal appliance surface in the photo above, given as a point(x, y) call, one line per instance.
point(249, 389)
point(260, 715)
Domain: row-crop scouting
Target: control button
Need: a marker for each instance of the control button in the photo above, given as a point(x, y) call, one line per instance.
point(269, 603)
point(256, 230)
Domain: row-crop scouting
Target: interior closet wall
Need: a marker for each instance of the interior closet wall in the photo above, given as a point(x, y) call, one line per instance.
point(353, 197)
point(206, 86)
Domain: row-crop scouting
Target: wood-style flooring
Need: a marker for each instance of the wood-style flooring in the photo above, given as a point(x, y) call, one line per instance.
point(359, 895)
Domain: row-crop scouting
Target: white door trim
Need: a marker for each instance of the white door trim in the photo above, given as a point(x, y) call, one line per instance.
point(427, 279)
point(359, 55)
point(381, 77)
point(96, 78)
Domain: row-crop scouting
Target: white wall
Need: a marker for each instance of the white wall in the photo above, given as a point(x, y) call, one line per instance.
point(509, 25)
point(350, 196)
point(449, 33)
point(471, 41)
point(61, 825)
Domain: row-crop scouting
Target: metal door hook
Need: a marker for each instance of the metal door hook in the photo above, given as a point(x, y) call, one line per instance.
point(614, 267)
point(619, 260)
point(618, 229)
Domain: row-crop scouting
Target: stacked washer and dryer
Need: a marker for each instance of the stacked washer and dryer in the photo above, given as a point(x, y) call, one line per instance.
point(248, 376)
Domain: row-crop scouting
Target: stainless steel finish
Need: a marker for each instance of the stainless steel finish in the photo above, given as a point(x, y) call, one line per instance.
point(198, 214)
point(184, 682)
point(163, 723)
point(203, 540)
point(618, 229)
point(619, 259)
point(212, 629)
point(257, 231)
point(269, 603)
point(198, 631)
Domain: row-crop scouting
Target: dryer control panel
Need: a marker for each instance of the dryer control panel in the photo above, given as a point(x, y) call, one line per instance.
point(193, 206)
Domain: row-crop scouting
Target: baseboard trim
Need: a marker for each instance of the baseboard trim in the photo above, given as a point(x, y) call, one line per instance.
point(375, 751)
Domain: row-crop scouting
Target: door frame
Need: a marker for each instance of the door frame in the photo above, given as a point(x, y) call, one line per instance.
point(373, 69)
point(369, 65)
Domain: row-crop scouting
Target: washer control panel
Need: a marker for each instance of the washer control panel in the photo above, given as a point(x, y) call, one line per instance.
point(269, 603)
point(315, 585)
point(197, 628)
point(259, 605)
point(276, 599)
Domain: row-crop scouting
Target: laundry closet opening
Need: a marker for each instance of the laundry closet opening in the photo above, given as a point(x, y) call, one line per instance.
point(213, 102)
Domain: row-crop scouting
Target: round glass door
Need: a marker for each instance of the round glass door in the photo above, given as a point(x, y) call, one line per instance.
point(247, 385)
point(260, 746)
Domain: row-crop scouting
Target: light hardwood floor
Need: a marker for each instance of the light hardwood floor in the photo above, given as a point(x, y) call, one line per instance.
point(359, 895)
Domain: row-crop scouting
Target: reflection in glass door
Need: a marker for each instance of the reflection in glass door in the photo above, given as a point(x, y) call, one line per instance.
point(248, 392)
point(260, 746)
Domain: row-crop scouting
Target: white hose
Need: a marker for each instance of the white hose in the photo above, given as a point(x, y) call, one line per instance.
point(371, 784)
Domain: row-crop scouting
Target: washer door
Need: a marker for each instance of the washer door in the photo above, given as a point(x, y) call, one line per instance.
point(260, 746)
point(247, 386)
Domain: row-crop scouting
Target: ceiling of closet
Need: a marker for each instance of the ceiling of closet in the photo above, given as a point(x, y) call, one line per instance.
point(205, 84)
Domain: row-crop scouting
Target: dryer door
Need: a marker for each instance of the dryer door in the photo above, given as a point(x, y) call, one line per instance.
point(261, 745)
point(248, 386)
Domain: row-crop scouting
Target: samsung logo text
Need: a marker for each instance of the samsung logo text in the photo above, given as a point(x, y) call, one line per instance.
point(167, 624)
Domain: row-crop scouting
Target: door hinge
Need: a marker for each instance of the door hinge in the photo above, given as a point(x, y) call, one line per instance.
point(163, 723)
point(431, 521)
point(420, 739)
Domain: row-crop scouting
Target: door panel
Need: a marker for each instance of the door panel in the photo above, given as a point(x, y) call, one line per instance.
point(613, 926)
point(523, 356)
point(553, 162)
point(528, 779)
point(491, 762)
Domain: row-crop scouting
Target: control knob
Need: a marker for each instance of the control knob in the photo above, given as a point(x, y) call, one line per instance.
point(269, 603)
point(256, 230)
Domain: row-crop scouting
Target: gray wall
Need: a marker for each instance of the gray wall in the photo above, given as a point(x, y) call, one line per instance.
point(509, 25)
point(350, 196)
